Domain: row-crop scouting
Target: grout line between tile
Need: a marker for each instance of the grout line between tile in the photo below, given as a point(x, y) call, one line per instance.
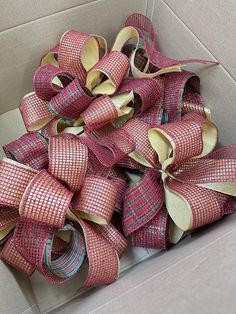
point(173, 12)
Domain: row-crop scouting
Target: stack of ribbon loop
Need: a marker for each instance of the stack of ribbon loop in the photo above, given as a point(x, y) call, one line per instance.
point(47, 200)
point(119, 143)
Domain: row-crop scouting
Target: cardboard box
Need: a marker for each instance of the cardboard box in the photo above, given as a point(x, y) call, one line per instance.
point(196, 276)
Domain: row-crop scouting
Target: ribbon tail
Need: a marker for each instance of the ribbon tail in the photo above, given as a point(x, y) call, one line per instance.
point(191, 206)
point(142, 202)
point(214, 174)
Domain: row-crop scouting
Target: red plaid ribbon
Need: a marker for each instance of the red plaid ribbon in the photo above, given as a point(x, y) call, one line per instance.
point(30, 149)
point(45, 85)
point(177, 99)
point(71, 101)
point(142, 202)
point(146, 32)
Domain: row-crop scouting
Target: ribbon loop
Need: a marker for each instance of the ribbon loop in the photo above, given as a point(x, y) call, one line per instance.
point(148, 91)
point(125, 35)
point(71, 101)
point(105, 109)
point(34, 112)
point(73, 171)
point(106, 76)
point(78, 53)
point(103, 259)
point(218, 175)
point(96, 200)
point(179, 141)
point(143, 152)
point(14, 174)
point(142, 201)
point(101, 111)
point(45, 200)
point(176, 88)
point(68, 260)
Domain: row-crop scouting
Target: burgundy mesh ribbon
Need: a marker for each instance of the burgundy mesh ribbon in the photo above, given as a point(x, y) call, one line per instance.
point(96, 199)
point(72, 172)
point(71, 55)
point(148, 91)
point(101, 111)
point(35, 112)
point(138, 132)
point(45, 200)
point(114, 67)
point(11, 256)
point(112, 147)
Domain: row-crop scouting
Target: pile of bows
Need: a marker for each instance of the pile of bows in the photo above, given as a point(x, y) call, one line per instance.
point(96, 119)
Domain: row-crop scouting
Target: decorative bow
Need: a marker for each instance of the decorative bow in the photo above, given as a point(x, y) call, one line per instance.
point(196, 186)
point(43, 238)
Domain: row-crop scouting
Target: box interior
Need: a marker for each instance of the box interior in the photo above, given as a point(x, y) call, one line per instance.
point(184, 30)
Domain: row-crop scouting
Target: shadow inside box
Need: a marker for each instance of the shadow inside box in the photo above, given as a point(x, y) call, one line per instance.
point(188, 240)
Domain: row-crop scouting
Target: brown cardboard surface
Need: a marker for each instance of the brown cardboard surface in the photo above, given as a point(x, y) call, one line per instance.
point(14, 13)
point(23, 46)
point(15, 292)
point(213, 23)
point(11, 127)
point(195, 276)
point(203, 283)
